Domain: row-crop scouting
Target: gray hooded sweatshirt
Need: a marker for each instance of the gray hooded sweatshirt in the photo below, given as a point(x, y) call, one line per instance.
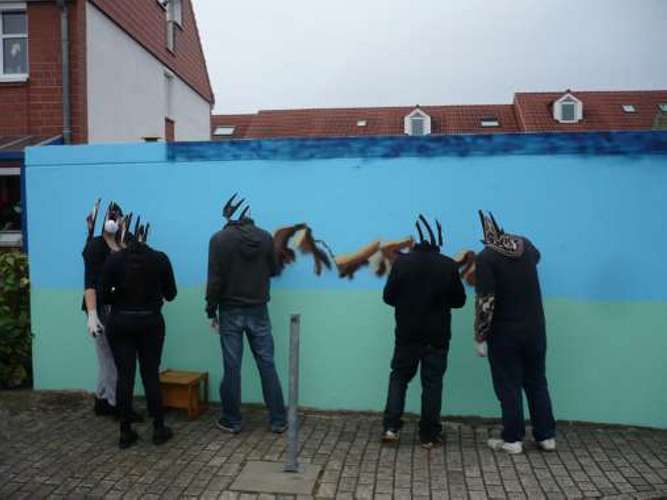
point(241, 262)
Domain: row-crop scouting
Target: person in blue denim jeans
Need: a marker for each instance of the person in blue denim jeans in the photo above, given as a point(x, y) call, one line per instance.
point(242, 260)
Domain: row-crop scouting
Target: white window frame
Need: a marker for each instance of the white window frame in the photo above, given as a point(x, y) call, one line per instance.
point(13, 77)
point(568, 98)
point(662, 107)
point(489, 122)
point(629, 108)
point(228, 130)
point(419, 114)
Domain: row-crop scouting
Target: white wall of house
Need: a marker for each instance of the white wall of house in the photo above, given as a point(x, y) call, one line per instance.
point(128, 96)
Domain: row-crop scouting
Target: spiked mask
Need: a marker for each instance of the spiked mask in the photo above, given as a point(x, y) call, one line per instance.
point(497, 239)
point(432, 240)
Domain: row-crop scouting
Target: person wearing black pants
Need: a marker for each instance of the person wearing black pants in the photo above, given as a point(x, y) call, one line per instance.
point(423, 286)
point(135, 281)
point(510, 320)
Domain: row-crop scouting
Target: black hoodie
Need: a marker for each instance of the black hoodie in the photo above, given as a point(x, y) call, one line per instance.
point(241, 261)
point(423, 286)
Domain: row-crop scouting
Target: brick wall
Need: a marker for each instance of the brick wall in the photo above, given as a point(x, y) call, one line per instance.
point(35, 107)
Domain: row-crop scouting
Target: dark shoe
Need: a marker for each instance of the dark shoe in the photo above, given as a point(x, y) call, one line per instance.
point(279, 429)
point(103, 408)
point(430, 443)
point(161, 435)
point(227, 428)
point(127, 439)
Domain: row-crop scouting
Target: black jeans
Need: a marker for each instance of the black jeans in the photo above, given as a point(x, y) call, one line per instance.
point(518, 363)
point(139, 337)
point(404, 364)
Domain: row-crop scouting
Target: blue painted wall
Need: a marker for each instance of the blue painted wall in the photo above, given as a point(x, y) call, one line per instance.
point(593, 203)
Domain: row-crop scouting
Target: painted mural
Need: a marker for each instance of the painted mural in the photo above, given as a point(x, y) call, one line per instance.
point(592, 203)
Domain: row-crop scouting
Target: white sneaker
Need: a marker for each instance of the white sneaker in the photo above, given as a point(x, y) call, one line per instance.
point(390, 436)
point(547, 444)
point(500, 445)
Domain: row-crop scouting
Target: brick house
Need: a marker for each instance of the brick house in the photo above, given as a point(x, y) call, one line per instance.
point(135, 70)
point(530, 112)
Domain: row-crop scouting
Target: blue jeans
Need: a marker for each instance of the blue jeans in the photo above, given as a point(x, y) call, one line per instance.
point(518, 364)
point(255, 322)
point(432, 363)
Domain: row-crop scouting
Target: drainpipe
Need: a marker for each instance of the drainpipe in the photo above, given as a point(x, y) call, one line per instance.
point(64, 50)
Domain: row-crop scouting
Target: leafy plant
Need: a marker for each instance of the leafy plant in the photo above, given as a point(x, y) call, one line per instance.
point(15, 334)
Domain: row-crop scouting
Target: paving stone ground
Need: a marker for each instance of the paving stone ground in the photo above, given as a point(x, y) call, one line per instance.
point(51, 446)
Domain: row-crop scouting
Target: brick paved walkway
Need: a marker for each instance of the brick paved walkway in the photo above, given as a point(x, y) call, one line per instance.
point(52, 446)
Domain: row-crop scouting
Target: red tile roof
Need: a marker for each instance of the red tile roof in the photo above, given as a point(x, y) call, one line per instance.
point(145, 21)
point(530, 112)
point(602, 110)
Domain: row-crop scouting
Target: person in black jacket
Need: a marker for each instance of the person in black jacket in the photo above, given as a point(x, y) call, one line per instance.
point(241, 262)
point(423, 286)
point(95, 254)
point(510, 317)
point(135, 281)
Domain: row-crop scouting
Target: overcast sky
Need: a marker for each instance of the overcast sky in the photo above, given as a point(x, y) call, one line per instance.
point(269, 54)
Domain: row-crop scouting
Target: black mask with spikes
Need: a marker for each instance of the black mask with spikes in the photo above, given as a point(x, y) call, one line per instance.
point(433, 241)
point(497, 239)
point(230, 209)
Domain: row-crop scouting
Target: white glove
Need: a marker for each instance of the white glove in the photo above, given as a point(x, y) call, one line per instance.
point(95, 327)
point(481, 349)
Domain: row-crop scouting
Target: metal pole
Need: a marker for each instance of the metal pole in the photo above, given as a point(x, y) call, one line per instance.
point(293, 411)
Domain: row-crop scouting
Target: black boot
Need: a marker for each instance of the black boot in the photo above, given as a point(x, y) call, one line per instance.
point(104, 408)
point(127, 436)
point(161, 433)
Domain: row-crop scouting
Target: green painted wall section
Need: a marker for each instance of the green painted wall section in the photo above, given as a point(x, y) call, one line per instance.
point(606, 360)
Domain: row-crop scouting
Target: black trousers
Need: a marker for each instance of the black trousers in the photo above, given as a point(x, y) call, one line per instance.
point(518, 364)
point(432, 363)
point(136, 337)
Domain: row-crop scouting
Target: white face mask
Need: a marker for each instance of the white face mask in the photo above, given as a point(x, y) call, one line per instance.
point(111, 227)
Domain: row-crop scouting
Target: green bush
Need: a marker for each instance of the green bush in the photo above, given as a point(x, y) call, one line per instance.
point(15, 334)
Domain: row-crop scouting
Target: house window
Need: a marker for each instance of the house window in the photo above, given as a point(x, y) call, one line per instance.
point(417, 123)
point(224, 130)
point(490, 122)
point(663, 107)
point(13, 42)
point(361, 123)
point(629, 108)
point(10, 207)
point(169, 130)
point(567, 111)
point(174, 13)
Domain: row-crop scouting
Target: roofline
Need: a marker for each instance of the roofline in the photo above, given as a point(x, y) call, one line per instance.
point(210, 100)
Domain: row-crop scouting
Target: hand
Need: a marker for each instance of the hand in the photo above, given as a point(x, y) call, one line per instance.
point(95, 327)
point(481, 349)
point(215, 325)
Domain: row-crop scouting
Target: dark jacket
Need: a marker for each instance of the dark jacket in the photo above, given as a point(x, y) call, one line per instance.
point(241, 262)
point(423, 286)
point(515, 284)
point(137, 278)
point(94, 255)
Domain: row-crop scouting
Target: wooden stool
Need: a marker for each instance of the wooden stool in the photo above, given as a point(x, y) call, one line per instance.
point(183, 390)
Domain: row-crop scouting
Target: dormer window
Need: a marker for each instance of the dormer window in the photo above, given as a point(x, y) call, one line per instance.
point(629, 108)
point(361, 123)
point(568, 109)
point(663, 107)
point(174, 15)
point(417, 123)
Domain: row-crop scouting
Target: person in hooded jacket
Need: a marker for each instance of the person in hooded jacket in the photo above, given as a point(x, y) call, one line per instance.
point(510, 327)
point(423, 286)
point(135, 282)
point(241, 262)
